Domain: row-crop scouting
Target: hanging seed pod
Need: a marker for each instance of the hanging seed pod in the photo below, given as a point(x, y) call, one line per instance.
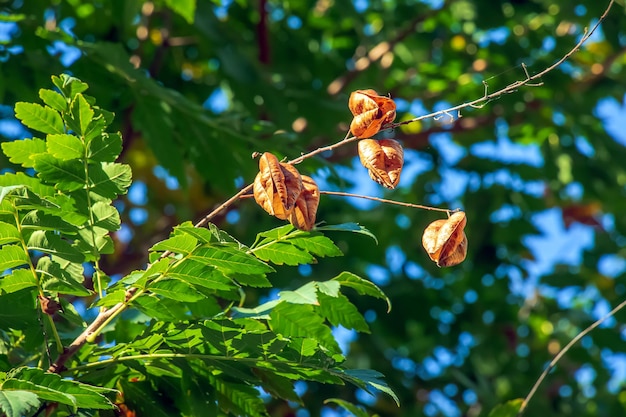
point(277, 186)
point(303, 214)
point(370, 111)
point(383, 159)
point(445, 241)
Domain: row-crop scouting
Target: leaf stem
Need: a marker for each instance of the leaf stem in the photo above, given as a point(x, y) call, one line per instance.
point(384, 200)
point(562, 352)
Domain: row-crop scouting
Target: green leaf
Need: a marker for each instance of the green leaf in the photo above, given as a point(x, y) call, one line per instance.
point(197, 273)
point(106, 216)
point(8, 190)
point(330, 288)
point(53, 99)
point(12, 257)
point(17, 310)
point(37, 117)
point(161, 308)
point(259, 312)
point(65, 147)
point(140, 398)
point(224, 237)
point(317, 244)
point(21, 151)
point(348, 227)
point(18, 403)
point(69, 86)
point(238, 399)
point(20, 179)
point(281, 253)
point(340, 311)
point(53, 244)
point(66, 175)
point(373, 379)
point(13, 17)
point(185, 8)
point(38, 220)
point(93, 239)
point(51, 387)
point(57, 278)
point(183, 244)
point(251, 280)
point(113, 296)
point(203, 235)
point(277, 233)
point(230, 259)
point(199, 398)
point(111, 179)
point(307, 294)
point(305, 346)
point(508, 409)
point(8, 233)
point(81, 115)
point(300, 320)
point(353, 409)
point(278, 386)
point(176, 290)
point(362, 286)
point(17, 280)
point(105, 147)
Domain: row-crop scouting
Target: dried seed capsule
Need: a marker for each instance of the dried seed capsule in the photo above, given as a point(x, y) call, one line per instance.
point(445, 241)
point(384, 160)
point(277, 186)
point(303, 214)
point(370, 112)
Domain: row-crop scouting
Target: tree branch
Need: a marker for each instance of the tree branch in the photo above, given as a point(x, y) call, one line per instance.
point(67, 353)
point(562, 352)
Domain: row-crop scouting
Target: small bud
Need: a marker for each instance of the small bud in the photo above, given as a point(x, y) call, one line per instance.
point(384, 160)
point(49, 306)
point(445, 241)
point(370, 111)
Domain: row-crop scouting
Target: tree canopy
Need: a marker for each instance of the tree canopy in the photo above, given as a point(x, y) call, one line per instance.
point(139, 276)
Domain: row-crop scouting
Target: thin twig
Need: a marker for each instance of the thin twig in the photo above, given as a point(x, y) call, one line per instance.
point(384, 200)
point(562, 352)
point(517, 84)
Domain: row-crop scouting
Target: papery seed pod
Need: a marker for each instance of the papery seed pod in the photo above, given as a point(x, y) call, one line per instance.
point(277, 186)
point(384, 160)
point(445, 241)
point(370, 112)
point(303, 215)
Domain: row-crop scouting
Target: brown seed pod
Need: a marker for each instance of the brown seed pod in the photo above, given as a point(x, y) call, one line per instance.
point(370, 112)
point(303, 215)
point(383, 159)
point(277, 186)
point(445, 241)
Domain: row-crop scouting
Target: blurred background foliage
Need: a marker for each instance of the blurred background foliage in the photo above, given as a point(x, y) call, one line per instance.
point(197, 86)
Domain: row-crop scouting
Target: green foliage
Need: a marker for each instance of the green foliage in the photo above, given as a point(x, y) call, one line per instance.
point(508, 409)
point(51, 387)
point(61, 220)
